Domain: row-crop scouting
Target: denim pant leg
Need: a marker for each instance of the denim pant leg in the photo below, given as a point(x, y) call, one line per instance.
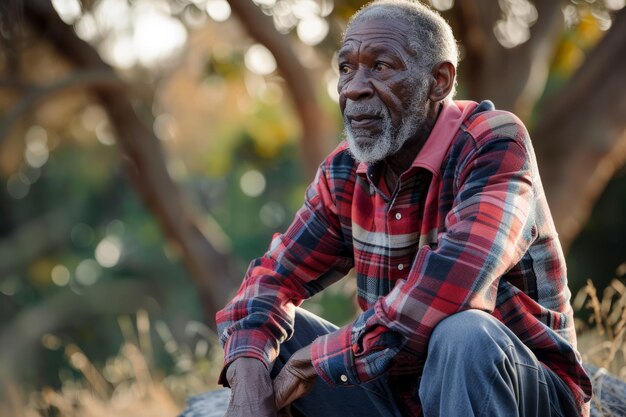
point(477, 367)
point(369, 399)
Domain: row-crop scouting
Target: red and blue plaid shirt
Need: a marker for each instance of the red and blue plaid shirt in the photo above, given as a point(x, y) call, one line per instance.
point(467, 227)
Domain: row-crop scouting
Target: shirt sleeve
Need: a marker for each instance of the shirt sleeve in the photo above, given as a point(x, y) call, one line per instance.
point(487, 231)
point(308, 257)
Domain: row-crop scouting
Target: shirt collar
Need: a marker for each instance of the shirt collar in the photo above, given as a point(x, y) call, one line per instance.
point(430, 157)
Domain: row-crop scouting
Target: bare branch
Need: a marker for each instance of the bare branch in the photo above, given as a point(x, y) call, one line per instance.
point(521, 72)
point(581, 137)
point(313, 120)
point(80, 79)
point(212, 271)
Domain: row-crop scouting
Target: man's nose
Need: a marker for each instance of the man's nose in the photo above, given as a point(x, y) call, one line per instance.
point(358, 87)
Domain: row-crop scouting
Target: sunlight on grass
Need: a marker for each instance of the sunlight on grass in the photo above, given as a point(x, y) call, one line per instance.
point(128, 385)
point(601, 340)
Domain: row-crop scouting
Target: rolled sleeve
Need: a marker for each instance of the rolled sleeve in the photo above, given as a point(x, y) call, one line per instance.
point(248, 343)
point(333, 358)
point(307, 258)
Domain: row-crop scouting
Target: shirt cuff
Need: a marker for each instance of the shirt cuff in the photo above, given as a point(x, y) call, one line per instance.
point(248, 343)
point(333, 358)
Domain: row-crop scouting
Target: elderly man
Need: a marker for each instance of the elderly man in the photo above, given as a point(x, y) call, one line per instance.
point(438, 206)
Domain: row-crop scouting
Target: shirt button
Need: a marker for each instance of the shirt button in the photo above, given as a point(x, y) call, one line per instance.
point(401, 267)
point(398, 216)
point(343, 378)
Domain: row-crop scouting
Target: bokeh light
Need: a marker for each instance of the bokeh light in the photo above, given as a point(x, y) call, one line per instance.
point(87, 272)
point(36, 152)
point(156, 34)
point(112, 15)
point(265, 3)
point(86, 27)
point(615, 4)
point(260, 60)
point(18, 186)
point(50, 341)
point(60, 275)
point(442, 5)
point(116, 228)
point(219, 10)
point(104, 133)
point(514, 28)
point(108, 251)
point(331, 85)
point(68, 10)
point(142, 32)
point(10, 285)
point(252, 183)
point(312, 30)
point(272, 214)
point(165, 127)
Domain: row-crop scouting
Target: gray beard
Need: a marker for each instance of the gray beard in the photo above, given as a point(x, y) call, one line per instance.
point(392, 138)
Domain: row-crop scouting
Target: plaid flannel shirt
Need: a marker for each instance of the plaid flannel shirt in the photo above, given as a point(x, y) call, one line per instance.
point(468, 227)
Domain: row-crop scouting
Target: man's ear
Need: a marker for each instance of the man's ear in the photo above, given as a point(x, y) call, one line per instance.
point(443, 74)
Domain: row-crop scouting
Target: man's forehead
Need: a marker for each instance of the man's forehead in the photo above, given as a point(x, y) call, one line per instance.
point(379, 30)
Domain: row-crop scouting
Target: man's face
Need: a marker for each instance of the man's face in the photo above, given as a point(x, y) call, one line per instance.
point(382, 92)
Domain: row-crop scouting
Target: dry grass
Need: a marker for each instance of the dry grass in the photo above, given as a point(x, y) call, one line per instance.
point(601, 341)
point(128, 385)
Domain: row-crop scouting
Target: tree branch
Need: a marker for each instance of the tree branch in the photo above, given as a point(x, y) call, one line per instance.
point(581, 137)
point(513, 78)
point(212, 271)
point(80, 79)
point(316, 126)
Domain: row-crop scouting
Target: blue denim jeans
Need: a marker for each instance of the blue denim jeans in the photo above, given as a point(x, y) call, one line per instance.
point(475, 367)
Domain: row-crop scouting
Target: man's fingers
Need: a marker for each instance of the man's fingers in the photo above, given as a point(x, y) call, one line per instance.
point(289, 387)
point(283, 384)
point(295, 379)
point(286, 388)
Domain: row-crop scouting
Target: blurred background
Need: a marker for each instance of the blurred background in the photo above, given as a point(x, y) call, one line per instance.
point(149, 149)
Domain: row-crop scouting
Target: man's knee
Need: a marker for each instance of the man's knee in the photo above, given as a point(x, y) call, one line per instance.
point(465, 327)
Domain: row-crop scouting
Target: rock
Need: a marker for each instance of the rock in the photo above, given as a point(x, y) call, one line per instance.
point(609, 398)
point(609, 393)
point(209, 404)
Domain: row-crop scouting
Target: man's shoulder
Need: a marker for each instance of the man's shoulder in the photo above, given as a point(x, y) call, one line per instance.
point(487, 123)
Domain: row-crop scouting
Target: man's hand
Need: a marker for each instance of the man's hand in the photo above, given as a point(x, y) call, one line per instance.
point(295, 379)
point(251, 389)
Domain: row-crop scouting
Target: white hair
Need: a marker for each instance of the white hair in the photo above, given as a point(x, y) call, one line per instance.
point(431, 37)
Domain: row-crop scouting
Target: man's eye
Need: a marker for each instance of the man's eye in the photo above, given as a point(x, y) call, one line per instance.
point(380, 66)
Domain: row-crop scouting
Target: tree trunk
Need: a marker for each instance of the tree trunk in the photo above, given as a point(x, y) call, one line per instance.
point(581, 137)
point(196, 240)
point(514, 78)
point(317, 128)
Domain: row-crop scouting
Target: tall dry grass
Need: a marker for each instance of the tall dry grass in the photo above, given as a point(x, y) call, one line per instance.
point(601, 340)
point(129, 385)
